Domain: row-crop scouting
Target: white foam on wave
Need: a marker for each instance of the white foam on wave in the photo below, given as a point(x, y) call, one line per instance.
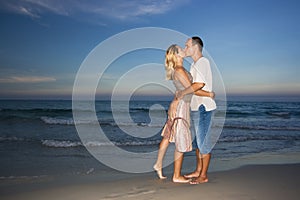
point(144, 124)
point(13, 138)
point(262, 127)
point(68, 143)
point(280, 114)
point(63, 143)
point(69, 121)
point(51, 120)
point(253, 137)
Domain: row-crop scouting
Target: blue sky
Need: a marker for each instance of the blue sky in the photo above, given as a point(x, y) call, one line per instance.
point(255, 43)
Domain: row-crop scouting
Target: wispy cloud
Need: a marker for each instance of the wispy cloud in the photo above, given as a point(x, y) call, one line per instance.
point(117, 9)
point(32, 8)
point(124, 10)
point(27, 79)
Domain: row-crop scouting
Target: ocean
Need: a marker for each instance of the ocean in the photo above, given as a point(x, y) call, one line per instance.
point(39, 137)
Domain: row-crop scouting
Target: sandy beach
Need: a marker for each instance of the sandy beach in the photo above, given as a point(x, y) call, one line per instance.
point(247, 182)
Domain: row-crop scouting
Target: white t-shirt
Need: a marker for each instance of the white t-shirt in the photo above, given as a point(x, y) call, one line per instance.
point(201, 73)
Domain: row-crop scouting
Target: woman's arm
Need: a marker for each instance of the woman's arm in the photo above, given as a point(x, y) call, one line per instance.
point(182, 76)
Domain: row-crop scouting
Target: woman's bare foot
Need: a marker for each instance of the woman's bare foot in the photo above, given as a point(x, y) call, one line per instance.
point(159, 171)
point(194, 174)
point(181, 179)
point(200, 179)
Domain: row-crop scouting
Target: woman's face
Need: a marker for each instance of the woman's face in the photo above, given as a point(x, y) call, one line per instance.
point(181, 52)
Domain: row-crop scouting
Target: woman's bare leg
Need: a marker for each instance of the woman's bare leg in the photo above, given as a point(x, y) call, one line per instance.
point(160, 156)
point(177, 178)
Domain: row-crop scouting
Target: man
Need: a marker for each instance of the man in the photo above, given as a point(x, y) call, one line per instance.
point(201, 107)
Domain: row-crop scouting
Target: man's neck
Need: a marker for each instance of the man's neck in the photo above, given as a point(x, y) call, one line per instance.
point(197, 56)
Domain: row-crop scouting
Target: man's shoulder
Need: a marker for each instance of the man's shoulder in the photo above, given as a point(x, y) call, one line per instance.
point(202, 62)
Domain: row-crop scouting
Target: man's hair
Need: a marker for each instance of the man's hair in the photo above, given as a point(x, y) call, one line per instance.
point(197, 41)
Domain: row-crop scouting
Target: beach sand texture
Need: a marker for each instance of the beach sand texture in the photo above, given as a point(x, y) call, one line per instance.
point(245, 183)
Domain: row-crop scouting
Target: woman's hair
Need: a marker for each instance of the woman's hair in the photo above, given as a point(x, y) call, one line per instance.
point(170, 60)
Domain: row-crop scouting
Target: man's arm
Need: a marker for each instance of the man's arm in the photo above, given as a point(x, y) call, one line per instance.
point(205, 93)
point(191, 89)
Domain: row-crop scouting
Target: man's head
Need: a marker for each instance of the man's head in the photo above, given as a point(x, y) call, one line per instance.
point(193, 45)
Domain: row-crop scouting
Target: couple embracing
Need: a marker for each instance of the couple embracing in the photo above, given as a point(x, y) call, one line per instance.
point(193, 92)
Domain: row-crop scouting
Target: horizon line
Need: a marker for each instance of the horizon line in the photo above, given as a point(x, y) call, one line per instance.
point(229, 97)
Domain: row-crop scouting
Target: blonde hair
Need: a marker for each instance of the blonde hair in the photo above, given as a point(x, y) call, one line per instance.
point(170, 61)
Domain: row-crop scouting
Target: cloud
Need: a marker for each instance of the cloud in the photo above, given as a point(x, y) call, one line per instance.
point(35, 8)
point(117, 9)
point(27, 79)
point(124, 10)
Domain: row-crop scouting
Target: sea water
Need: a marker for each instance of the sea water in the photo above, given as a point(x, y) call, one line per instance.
point(39, 137)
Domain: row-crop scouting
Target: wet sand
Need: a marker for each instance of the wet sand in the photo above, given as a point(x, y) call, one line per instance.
point(247, 182)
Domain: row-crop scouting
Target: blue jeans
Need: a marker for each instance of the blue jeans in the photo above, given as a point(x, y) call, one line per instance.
point(201, 124)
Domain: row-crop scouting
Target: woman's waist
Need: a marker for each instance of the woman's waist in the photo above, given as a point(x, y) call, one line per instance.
point(187, 98)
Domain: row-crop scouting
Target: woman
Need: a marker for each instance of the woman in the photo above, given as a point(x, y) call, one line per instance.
point(177, 127)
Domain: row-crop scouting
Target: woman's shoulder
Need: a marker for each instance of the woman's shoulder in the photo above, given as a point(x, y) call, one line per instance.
point(180, 69)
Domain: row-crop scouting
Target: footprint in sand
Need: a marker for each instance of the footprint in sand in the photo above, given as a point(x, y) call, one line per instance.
point(135, 192)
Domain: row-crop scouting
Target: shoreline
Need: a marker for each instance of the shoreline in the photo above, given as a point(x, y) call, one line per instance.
point(217, 165)
point(267, 181)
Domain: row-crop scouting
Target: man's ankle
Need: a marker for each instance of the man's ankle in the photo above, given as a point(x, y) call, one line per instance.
point(204, 176)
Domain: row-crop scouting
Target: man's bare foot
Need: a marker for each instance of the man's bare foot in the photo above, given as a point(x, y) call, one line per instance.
point(194, 174)
point(181, 179)
point(199, 180)
point(159, 172)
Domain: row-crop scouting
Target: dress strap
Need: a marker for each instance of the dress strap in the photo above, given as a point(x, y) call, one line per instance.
point(177, 118)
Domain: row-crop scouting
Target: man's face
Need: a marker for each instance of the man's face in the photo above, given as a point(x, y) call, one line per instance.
point(189, 48)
